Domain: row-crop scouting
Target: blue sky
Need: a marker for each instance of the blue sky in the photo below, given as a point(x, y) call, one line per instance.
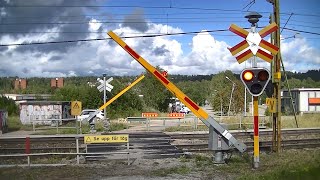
point(202, 53)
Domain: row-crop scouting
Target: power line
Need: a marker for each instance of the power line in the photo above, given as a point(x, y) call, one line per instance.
point(139, 36)
point(101, 39)
point(145, 7)
point(121, 14)
point(286, 23)
point(307, 32)
point(315, 27)
point(111, 22)
point(164, 17)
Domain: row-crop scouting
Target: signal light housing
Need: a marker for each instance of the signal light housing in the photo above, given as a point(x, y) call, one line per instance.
point(255, 80)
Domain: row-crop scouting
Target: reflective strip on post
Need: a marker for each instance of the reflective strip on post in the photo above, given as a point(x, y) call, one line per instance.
point(255, 130)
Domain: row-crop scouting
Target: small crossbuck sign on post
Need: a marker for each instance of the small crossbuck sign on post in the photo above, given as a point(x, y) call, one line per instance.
point(108, 86)
point(254, 44)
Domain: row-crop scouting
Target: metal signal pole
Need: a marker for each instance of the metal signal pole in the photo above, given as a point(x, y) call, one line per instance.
point(104, 95)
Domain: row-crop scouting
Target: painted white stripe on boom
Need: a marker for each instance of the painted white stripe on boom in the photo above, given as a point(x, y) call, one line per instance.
point(226, 134)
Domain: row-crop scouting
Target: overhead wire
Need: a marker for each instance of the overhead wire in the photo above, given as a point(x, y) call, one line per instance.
point(145, 7)
point(100, 39)
point(140, 36)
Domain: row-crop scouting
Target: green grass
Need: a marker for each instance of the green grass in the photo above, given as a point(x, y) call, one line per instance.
point(289, 165)
point(117, 126)
point(304, 121)
point(14, 124)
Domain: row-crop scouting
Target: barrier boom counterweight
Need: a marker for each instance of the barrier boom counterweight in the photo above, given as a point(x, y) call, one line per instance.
point(199, 112)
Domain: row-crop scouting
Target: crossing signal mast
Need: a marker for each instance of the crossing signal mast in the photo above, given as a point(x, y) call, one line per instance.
point(255, 79)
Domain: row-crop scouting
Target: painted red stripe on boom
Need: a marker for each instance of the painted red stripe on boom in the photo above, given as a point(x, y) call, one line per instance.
point(256, 125)
point(191, 103)
point(164, 80)
point(132, 52)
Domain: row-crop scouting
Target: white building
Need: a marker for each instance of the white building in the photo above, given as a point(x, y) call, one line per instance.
point(306, 100)
point(18, 98)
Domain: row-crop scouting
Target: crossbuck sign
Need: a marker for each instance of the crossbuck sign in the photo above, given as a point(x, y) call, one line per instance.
point(108, 86)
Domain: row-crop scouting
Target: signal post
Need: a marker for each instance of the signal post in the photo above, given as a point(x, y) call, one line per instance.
point(255, 79)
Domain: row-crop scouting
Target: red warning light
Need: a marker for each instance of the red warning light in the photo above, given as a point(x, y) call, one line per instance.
point(247, 75)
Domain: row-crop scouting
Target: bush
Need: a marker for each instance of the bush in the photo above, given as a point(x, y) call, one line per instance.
point(9, 105)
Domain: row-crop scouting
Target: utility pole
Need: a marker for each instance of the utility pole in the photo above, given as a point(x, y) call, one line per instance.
point(233, 86)
point(276, 70)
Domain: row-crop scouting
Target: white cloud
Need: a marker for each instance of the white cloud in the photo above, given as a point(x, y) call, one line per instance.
point(207, 55)
point(94, 25)
point(299, 56)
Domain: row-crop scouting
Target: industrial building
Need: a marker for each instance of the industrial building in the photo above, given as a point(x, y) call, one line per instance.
point(305, 100)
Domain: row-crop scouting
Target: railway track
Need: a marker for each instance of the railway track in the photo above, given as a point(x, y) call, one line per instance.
point(158, 144)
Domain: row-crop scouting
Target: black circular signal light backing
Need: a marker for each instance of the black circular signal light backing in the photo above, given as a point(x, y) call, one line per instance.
point(263, 75)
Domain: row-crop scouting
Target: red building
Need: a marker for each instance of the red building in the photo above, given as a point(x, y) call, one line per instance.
point(57, 83)
point(20, 84)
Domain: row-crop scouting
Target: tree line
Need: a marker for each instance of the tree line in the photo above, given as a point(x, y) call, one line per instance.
point(149, 95)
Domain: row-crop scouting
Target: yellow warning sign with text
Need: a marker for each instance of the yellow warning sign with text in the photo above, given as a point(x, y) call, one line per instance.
point(271, 102)
point(76, 108)
point(117, 138)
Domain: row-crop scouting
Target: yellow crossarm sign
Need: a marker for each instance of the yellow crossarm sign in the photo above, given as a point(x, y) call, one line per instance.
point(268, 29)
point(238, 30)
point(169, 85)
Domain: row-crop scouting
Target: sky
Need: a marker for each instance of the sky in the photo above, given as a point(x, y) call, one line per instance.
point(24, 23)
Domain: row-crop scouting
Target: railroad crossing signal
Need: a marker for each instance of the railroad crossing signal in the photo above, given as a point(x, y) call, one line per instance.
point(108, 86)
point(255, 80)
point(254, 44)
point(198, 111)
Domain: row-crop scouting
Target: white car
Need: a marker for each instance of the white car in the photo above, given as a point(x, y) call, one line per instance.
point(185, 110)
point(86, 113)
